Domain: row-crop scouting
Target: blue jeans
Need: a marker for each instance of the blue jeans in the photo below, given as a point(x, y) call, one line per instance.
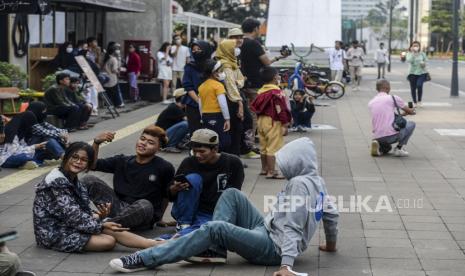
point(176, 133)
point(401, 138)
point(237, 226)
point(53, 149)
point(185, 208)
point(16, 161)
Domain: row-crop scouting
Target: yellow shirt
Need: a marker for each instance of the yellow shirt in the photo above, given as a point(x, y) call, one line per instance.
point(208, 93)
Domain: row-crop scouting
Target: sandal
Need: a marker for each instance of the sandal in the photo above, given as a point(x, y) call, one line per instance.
point(263, 173)
point(275, 175)
point(166, 224)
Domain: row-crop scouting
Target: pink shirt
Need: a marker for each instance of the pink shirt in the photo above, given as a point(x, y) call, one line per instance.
point(382, 110)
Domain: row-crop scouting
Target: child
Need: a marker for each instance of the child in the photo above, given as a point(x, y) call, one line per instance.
point(302, 109)
point(213, 105)
point(273, 119)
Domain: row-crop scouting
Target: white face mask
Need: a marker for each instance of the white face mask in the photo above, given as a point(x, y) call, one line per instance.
point(69, 50)
point(416, 48)
point(117, 52)
point(221, 76)
point(237, 51)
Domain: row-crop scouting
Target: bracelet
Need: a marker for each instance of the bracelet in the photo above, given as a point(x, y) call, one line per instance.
point(95, 142)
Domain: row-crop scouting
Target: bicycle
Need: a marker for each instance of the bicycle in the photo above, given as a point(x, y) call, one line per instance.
point(311, 79)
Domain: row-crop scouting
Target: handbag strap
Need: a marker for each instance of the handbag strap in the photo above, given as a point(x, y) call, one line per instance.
point(395, 103)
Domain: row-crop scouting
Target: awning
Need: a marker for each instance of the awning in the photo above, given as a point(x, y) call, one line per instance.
point(193, 19)
point(202, 20)
point(107, 5)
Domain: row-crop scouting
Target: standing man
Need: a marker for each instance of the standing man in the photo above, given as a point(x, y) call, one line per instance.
point(381, 58)
point(181, 55)
point(355, 57)
point(336, 61)
point(253, 58)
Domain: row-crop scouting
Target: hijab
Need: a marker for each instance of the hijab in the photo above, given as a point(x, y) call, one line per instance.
point(225, 54)
point(203, 56)
point(38, 108)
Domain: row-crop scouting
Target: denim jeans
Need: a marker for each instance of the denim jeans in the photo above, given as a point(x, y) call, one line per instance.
point(402, 137)
point(53, 149)
point(237, 226)
point(16, 161)
point(176, 133)
point(416, 86)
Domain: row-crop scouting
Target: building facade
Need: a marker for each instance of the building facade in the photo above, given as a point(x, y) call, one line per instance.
point(355, 9)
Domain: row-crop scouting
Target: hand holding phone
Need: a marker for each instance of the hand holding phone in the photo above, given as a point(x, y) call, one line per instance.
point(180, 184)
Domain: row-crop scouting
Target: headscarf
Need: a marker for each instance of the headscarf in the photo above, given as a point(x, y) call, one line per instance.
point(225, 54)
point(38, 108)
point(21, 126)
point(200, 58)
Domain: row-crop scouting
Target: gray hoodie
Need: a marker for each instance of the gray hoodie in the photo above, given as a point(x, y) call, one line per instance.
point(292, 230)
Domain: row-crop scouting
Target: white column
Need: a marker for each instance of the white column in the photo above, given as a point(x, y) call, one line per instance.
point(189, 26)
point(205, 29)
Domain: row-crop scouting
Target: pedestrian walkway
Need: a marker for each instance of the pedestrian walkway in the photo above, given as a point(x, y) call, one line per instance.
point(423, 235)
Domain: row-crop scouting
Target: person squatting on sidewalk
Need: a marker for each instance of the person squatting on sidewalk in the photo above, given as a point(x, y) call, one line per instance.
point(382, 108)
point(237, 226)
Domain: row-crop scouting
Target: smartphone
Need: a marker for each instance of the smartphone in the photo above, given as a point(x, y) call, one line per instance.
point(181, 178)
point(8, 236)
point(410, 105)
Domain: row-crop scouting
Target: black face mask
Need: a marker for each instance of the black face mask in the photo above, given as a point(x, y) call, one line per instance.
point(198, 56)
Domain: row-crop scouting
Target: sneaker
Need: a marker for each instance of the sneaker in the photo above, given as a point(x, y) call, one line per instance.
point(292, 129)
point(29, 165)
point(251, 155)
point(166, 102)
point(400, 152)
point(301, 129)
point(52, 162)
point(419, 104)
point(172, 150)
point(25, 273)
point(129, 263)
point(375, 148)
point(180, 227)
point(208, 256)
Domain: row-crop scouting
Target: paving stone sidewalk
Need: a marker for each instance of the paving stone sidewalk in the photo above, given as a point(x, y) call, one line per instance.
point(423, 235)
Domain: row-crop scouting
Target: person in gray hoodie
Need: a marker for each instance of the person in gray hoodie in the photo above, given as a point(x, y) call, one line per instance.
point(238, 226)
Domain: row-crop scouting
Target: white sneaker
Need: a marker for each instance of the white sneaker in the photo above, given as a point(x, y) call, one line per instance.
point(400, 152)
point(419, 104)
point(375, 148)
point(29, 165)
point(166, 102)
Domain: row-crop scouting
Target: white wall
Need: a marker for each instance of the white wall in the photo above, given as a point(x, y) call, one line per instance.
point(303, 22)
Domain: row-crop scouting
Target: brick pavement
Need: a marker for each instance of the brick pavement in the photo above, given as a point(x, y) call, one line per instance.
point(408, 241)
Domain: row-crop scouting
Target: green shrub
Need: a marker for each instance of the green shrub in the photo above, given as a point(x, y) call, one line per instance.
point(48, 81)
point(11, 75)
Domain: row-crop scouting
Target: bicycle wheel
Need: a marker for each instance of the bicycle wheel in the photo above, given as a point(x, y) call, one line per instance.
point(334, 90)
point(312, 92)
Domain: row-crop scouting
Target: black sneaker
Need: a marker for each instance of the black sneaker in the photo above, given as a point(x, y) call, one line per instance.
point(208, 256)
point(129, 263)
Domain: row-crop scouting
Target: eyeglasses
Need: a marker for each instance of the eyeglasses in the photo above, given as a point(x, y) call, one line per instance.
point(76, 158)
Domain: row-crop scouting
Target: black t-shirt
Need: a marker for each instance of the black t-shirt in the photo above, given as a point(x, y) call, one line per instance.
point(133, 181)
point(170, 116)
point(251, 50)
point(227, 172)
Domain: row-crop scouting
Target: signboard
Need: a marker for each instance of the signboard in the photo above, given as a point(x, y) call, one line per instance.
point(81, 60)
point(304, 22)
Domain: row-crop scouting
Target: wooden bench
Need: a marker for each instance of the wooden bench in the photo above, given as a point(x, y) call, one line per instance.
point(8, 94)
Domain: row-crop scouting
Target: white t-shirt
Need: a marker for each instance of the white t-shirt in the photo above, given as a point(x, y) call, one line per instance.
point(336, 59)
point(381, 56)
point(164, 61)
point(180, 58)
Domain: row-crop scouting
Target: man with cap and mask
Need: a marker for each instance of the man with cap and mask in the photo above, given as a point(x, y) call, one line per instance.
point(277, 239)
point(173, 121)
point(196, 198)
point(193, 76)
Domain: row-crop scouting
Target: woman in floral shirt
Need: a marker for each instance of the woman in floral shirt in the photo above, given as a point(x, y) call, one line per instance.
point(63, 219)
